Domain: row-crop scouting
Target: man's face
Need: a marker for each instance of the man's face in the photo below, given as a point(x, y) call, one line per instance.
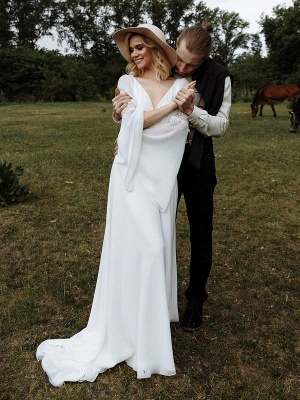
point(187, 62)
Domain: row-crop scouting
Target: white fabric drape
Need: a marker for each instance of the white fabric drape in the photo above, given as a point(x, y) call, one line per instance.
point(136, 292)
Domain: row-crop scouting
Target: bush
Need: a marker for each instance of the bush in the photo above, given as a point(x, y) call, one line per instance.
point(10, 189)
point(30, 75)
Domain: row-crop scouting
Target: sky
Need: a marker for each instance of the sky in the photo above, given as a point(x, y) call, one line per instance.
point(249, 10)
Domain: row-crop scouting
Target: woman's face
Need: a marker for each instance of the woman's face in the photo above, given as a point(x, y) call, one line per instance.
point(139, 53)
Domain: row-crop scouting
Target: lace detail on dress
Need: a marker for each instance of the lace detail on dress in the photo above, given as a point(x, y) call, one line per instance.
point(179, 116)
point(130, 107)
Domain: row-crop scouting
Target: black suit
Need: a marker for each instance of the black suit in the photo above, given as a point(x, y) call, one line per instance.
point(197, 180)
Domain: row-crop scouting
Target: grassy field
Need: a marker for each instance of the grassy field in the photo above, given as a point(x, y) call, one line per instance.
point(248, 348)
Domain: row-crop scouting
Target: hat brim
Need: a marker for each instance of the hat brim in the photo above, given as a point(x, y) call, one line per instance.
point(120, 36)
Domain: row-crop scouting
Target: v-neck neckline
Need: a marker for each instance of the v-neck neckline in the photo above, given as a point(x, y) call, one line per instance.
point(150, 97)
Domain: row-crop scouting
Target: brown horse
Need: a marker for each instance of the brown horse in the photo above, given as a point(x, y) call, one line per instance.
point(267, 95)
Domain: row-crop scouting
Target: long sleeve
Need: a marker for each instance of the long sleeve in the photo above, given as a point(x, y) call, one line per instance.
point(130, 135)
point(213, 126)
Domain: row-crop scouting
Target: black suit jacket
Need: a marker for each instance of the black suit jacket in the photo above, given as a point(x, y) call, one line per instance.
point(210, 82)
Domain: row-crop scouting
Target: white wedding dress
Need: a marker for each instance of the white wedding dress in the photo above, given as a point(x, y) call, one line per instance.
point(136, 293)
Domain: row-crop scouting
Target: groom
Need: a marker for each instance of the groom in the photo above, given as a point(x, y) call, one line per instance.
point(208, 113)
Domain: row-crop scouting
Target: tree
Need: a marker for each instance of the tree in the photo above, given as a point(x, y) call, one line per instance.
point(255, 44)
point(128, 12)
point(228, 36)
point(23, 22)
point(67, 78)
point(87, 26)
point(282, 35)
point(179, 14)
point(82, 23)
point(6, 34)
point(20, 77)
point(250, 72)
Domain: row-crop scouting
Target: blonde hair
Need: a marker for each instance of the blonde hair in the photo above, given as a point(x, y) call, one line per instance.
point(159, 60)
point(198, 39)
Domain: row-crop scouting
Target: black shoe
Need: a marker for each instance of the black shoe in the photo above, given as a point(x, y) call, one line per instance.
point(193, 316)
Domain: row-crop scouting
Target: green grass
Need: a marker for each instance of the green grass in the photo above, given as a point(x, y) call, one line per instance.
point(248, 348)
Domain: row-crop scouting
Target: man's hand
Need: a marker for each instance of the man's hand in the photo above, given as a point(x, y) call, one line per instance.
point(185, 99)
point(120, 101)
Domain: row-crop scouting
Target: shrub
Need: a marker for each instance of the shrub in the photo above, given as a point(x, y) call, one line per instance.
point(10, 189)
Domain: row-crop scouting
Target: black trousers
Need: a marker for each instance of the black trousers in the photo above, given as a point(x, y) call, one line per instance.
point(197, 187)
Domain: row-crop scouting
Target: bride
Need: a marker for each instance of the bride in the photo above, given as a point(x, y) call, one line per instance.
point(136, 292)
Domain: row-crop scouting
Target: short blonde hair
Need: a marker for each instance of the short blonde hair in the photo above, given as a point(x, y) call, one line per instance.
point(159, 61)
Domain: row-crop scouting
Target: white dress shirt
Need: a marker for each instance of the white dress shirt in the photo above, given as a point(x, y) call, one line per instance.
point(211, 125)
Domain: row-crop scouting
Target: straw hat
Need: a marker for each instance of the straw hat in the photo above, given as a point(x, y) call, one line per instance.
point(152, 32)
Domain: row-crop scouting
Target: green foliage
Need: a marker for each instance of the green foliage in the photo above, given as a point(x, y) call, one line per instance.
point(20, 75)
point(68, 78)
point(228, 35)
point(23, 22)
point(11, 191)
point(32, 75)
point(283, 39)
point(250, 72)
point(5, 23)
point(179, 14)
point(92, 71)
point(295, 76)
